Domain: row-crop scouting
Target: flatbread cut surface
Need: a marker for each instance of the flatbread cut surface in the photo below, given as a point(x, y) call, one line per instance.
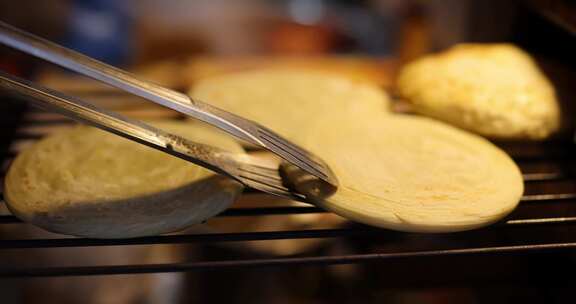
point(495, 90)
point(289, 101)
point(87, 182)
point(416, 174)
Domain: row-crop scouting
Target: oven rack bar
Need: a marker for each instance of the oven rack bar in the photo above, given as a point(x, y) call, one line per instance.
point(275, 262)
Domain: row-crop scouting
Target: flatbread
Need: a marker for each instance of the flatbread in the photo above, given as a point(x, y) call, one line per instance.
point(495, 90)
point(290, 101)
point(412, 173)
point(87, 182)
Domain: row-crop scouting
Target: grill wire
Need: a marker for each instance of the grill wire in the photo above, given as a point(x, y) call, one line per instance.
point(541, 224)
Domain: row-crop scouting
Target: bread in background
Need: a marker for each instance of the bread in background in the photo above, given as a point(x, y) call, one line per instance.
point(290, 101)
point(375, 71)
point(495, 90)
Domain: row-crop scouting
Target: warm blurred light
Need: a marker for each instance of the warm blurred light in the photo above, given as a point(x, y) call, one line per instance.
point(307, 12)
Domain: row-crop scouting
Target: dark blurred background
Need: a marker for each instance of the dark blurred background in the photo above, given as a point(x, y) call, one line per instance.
point(131, 33)
point(135, 32)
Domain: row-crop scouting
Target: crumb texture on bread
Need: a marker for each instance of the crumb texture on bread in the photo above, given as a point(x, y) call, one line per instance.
point(416, 174)
point(495, 90)
point(87, 182)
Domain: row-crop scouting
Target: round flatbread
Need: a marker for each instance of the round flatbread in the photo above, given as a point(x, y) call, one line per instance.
point(495, 90)
point(412, 173)
point(87, 182)
point(290, 101)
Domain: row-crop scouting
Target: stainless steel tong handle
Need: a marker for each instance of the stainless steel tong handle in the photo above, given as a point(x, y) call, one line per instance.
point(121, 79)
point(246, 169)
point(233, 124)
point(76, 109)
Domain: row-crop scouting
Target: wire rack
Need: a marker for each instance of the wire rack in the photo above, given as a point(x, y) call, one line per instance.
point(543, 226)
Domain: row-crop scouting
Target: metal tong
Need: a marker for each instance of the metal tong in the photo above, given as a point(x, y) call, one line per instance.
point(244, 168)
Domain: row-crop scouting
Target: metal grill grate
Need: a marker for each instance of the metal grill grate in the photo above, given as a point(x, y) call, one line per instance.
point(543, 223)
